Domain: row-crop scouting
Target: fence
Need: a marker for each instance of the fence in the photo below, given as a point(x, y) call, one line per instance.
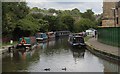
point(109, 35)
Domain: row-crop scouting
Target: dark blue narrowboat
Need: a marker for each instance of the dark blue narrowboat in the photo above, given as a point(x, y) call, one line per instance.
point(76, 40)
point(62, 33)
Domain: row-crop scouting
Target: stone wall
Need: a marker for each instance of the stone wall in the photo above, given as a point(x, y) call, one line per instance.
point(107, 23)
point(107, 9)
point(119, 17)
point(108, 14)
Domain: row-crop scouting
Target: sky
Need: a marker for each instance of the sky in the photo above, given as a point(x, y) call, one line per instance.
point(96, 6)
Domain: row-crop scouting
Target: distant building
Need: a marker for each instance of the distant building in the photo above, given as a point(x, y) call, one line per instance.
point(111, 14)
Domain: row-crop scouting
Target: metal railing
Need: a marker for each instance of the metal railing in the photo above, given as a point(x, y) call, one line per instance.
point(109, 35)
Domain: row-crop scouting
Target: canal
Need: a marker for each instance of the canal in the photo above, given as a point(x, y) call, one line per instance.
point(56, 55)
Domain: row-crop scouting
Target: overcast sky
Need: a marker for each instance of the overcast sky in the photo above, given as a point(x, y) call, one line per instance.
point(82, 6)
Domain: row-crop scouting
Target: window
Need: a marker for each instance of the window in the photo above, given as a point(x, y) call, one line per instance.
point(117, 20)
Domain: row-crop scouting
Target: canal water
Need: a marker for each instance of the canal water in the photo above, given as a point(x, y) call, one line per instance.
point(56, 55)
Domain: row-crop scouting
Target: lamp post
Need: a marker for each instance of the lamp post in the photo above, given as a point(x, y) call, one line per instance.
point(114, 15)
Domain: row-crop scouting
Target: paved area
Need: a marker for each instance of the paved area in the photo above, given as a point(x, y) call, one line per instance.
point(103, 47)
point(4, 49)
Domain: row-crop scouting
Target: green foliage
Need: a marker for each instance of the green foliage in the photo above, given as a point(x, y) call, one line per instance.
point(75, 12)
point(84, 24)
point(18, 20)
point(37, 16)
point(43, 25)
point(99, 21)
point(52, 21)
point(89, 14)
point(12, 12)
point(28, 24)
point(69, 21)
point(35, 9)
point(51, 10)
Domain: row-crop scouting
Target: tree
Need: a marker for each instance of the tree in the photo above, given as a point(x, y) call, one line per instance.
point(51, 10)
point(37, 16)
point(43, 25)
point(35, 9)
point(12, 12)
point(84, 24)
point(99, 21)
point(75, 12)
point(69, 21)
point(89, 14)
point(26, 27)
point(52, 21)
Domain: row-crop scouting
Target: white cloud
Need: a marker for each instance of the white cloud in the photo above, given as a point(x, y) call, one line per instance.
point(72, 0)
point(61, 0)
point(65, 0)
point(82, 6)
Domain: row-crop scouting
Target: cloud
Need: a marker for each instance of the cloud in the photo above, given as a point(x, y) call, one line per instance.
point(82, 6)
point(64, 0)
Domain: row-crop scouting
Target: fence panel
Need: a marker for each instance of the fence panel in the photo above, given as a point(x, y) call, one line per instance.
point(109, 35)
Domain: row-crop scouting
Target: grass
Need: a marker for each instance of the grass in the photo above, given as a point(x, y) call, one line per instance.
point(87, 38)
point(8, 43)
point(0, 44)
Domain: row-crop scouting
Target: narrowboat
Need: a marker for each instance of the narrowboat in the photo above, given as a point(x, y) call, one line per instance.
point(41, 37)
point(51, 35)
point(76, 40)
point(62, 33)
point(26, 42)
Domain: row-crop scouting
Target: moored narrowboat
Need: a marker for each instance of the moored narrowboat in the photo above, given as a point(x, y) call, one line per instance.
point(41, 37)
point(26, 42)
point(76, 40)
point(62, 33)
point(51, 35)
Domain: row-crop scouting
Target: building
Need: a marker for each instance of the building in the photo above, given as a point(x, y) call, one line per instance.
point(111, 14)
point(118, 11)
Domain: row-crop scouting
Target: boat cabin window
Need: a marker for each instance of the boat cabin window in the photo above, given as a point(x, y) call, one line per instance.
point(39, 35)
point(78, 39)
point(43, 35)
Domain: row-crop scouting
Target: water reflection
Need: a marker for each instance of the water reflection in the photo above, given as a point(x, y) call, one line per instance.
point(19, 60)
point(55, 54)
point(78, 53)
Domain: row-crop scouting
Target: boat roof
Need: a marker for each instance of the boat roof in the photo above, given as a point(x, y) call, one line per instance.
point(75, 36)
point(40, 33)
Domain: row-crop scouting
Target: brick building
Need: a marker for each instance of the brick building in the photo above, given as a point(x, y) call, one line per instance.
point(111, 14)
